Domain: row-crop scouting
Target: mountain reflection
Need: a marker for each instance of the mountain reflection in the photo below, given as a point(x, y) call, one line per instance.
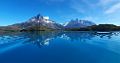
point(42, 38)
point(81, 36)
point(108, 35)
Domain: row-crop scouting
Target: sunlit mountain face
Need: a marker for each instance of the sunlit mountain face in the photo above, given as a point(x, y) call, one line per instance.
point(78, 23)
point(38, 22)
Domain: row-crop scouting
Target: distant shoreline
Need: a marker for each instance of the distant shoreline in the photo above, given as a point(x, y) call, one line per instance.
point(94, 28)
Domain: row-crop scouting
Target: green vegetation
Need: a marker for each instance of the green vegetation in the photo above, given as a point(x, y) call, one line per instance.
point(100, 27)
point(37, 28)
point(9, 29)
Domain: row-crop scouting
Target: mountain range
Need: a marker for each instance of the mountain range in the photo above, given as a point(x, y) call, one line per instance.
point(40, 22)
point(78, 24)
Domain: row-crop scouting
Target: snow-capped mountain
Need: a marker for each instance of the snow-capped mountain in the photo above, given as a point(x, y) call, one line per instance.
point(40, 21)
point(78, 23)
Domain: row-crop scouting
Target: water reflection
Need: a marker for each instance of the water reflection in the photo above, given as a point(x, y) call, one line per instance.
point(41, 38)
point(62, 47)
point(44, 38)
point(81, 36)
point(10, 41)
point(108, 35)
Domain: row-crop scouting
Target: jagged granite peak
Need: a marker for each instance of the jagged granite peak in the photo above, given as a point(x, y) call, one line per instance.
point(40, 21)
point(78, 23)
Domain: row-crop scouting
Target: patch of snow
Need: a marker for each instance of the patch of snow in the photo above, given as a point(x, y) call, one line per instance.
point(66, 24)
point(38, 21)
point(46, 17)
point(47, 21)
point(61, 23)
point(32, 19)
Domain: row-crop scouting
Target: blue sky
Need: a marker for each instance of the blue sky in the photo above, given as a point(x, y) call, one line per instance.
point(61, 11)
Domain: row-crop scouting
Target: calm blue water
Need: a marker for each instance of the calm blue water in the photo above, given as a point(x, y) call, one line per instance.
point(59, 47)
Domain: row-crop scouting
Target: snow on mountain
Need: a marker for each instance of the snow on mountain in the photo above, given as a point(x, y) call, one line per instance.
point(78, 23)
point(65, 24)
point(46, 17)
point(44, 21)
point(40, 20)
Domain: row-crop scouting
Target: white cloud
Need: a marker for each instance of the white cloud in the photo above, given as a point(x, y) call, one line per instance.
point(90, 18)
point(89, 3)
point(108, 2)
point(82, 6)
point(49, 2)
point(56, 0)
point(75, 5)
point(78, 8)
point(113, 9)
point(109, 6)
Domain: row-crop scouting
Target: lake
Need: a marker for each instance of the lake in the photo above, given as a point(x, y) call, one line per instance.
point(59, 47)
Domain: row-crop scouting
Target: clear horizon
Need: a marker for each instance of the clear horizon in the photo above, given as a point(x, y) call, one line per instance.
point(61, 11)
